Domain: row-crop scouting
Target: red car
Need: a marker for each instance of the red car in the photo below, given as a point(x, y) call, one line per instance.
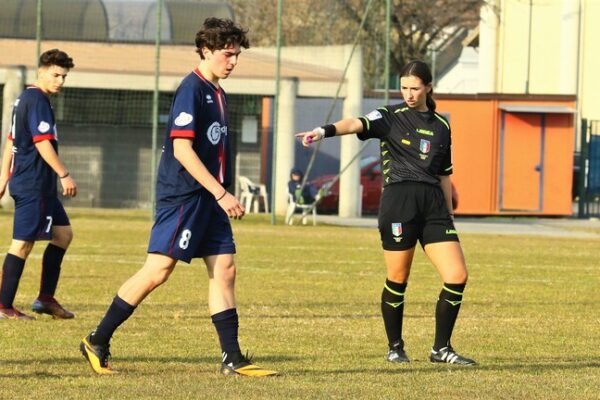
point(370, 179)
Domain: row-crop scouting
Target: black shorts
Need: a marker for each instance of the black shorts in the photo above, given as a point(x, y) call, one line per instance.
point(412, 211)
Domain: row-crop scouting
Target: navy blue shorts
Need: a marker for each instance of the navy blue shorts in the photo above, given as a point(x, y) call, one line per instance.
point(197, 228)
point(35, 217)
point(411, 212)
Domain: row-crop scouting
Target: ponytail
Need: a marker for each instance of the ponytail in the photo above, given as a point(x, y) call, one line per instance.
point(430, 102)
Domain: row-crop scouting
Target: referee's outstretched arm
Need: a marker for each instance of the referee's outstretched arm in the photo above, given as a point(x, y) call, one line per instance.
point(342, 127)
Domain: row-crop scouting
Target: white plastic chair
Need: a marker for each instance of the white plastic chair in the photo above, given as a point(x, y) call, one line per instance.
point(251, 193)
point(305, 209)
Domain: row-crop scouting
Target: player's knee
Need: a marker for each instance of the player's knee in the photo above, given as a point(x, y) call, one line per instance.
point(62, 238)
point(460, 277)
point(226, 273)
point(161, 276)
point(21, 248)
point(398, 276)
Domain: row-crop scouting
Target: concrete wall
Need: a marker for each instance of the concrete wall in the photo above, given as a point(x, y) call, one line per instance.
point(559, 56)
point(589, 84)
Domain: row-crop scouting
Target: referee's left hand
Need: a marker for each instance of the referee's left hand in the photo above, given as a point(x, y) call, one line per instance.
point(69, 186)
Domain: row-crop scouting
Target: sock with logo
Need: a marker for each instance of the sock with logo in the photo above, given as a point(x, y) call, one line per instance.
point(226, 323)
point(392, 310)
point(446, 311)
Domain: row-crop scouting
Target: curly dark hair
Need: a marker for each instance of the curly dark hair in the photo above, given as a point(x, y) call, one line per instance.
point(220, 33)
point(56, 57)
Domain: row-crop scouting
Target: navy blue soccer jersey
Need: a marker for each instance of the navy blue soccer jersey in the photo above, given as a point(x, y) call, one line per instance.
point(32, 122)
point(199, 113)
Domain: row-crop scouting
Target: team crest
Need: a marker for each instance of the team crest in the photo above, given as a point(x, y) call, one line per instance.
point(183, 119)
point(209, 99)
point(43, 127)
point(425, 146)
point(397, 231)
point(373, 115)
point(215, 131)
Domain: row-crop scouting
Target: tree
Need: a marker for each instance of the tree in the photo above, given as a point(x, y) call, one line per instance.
point(418, 27)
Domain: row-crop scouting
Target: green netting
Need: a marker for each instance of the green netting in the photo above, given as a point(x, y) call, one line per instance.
point(106, 140)
point(107, 20)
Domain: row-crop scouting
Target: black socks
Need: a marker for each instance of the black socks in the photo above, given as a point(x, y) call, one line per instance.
point(118, 312)
point(51, 262)
point(11, 275)
point(446, 312)
point(392, 310)
point(226, 323)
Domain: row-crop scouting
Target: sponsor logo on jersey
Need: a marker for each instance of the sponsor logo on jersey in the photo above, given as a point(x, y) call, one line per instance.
point(43, 127)
point(373, 115)
point(425, 132)
point(209, 99)
point(406, 142)
point(451, 232)
point(215, 131)
point(397, 231)
point(425, 146)
point(183, 119)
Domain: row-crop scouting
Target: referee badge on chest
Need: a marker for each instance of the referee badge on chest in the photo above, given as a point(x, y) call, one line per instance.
point(425, 146)
point(397, 231)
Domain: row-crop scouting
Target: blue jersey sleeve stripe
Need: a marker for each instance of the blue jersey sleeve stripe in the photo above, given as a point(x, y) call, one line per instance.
point(180, 133)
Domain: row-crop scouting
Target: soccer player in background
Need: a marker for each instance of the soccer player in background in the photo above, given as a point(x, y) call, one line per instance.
point(416, 205)
point(31, 167)
point(193, 205)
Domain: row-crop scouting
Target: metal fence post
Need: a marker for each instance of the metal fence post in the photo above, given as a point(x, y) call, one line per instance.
point(583, 155)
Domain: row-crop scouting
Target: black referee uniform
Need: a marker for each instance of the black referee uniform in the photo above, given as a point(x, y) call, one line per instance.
point(415, 150)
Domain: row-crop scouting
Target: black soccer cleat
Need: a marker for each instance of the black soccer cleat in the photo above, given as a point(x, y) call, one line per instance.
point(97, 356)
point(448, 356)
point(396, 354)
point(51, 307)
point(243, 366)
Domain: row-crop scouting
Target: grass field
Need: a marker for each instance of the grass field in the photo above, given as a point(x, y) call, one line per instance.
point(308, 299)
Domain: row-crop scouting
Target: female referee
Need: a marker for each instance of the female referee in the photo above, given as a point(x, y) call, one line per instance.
point(415, 206)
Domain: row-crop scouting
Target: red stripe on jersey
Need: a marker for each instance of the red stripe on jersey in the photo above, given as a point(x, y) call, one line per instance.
point(222, 162)
point(39, 138)
point(221, 103)
point(12, 165)
point(182, 134)
point(197, 72)
point(175, 233)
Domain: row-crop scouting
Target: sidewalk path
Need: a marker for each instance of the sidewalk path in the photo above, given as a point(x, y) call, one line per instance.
point(551, 227)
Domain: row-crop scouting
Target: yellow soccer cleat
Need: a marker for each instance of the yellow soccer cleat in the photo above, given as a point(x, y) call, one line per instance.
point(245, 368)
point(97, 356)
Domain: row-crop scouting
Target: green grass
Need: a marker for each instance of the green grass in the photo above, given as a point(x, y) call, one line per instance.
point(308, 299)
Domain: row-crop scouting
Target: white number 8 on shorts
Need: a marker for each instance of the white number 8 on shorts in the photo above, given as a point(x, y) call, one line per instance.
point(184, 242)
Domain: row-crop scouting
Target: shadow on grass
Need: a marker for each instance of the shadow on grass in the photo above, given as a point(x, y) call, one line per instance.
point(38, 375)
point(146, 359)
point(425, 367)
